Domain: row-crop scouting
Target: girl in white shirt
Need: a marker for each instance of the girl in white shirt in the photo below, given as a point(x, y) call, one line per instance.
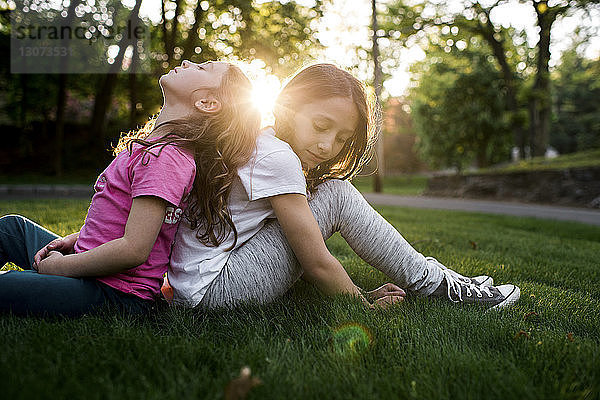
point(325, 127)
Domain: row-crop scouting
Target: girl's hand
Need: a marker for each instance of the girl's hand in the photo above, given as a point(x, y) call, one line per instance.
point(384, 296)
point(64, 245)
point(387, 301)
point(132, 249)
point(50, 264)
point(388, 289)
point(382, 302)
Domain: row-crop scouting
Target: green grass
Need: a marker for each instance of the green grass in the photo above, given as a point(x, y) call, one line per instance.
point(309, 346)
point(405, 185)
point(590, 158)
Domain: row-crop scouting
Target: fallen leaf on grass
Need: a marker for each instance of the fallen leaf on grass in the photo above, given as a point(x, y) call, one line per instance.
point(530, 314)
point(238, 388)
point(521, 333)
point(570, 337)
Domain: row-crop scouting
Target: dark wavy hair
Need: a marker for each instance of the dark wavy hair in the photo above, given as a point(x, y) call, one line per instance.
point(220, 143)
point(319, 82)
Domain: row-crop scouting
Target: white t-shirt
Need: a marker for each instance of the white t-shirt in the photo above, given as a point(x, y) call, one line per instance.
point(273, 169)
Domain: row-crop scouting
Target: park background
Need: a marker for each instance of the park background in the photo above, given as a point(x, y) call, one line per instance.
point(462, 84)
point(465, 87)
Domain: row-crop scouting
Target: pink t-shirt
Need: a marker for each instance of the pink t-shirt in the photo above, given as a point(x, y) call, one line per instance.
point(169, 176)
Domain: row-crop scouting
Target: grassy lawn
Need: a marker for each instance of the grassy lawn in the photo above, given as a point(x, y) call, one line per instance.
point(309, 346)
point(589, 158)
point(405, 185)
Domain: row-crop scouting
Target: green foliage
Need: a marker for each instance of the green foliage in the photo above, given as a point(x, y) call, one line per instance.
point(458, 106)
point(576, 125)
point(524, 69)
point(281, 33)
point(306, 346)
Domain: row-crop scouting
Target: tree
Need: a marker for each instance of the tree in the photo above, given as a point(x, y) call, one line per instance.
point(108, 81)
point(458, 107)
point(281, 33)
point(62, 96)
point(501, 44)
point(540, 98)
point(540, 94)
point(576, 126)
point(474, 17)
point(377, 83)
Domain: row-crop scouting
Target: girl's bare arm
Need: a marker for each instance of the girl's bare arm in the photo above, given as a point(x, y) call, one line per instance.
point(141, 230)
point(302, 232)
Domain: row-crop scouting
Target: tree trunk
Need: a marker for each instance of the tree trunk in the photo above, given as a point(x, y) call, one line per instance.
point(380, 172)
point(170, 37)
point(59, 135)
point(541, 102)
point(108, 83)
point(163, 26)
point(190, 43)
point(23, 78)
point(482, 159)
point(487, 31)
point(132, 86)
point(61, 100)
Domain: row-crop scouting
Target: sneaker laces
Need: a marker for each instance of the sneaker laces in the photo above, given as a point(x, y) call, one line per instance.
point(456, 284)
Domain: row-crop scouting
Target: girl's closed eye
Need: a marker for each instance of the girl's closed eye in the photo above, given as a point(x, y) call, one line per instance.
point(319, 127)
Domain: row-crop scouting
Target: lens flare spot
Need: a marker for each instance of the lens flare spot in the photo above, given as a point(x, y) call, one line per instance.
point(351, 339)
point(266, 87)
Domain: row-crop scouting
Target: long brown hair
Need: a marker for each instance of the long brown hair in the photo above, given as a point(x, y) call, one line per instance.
point(324, 81)
point(220, 143)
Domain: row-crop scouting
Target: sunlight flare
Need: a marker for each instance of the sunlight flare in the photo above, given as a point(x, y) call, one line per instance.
point(266, 87)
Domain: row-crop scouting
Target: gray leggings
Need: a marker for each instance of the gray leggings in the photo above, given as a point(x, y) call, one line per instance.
point(265, 267)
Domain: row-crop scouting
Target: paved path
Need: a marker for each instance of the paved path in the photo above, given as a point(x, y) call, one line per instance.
point(45, 191)
point(587, 216)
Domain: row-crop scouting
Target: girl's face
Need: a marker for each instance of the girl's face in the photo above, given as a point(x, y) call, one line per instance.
point(181, 83)
point(320, 129)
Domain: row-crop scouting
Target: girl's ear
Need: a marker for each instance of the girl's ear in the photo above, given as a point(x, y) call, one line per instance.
point(208, 105)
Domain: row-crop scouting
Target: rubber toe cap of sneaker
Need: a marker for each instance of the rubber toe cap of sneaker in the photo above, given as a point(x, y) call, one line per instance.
point(511, 294)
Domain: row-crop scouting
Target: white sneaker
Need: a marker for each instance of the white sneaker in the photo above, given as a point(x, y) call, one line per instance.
point(481, 280)
point(493, 297)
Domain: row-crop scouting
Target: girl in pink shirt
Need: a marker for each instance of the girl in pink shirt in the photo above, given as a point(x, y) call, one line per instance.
point(205, 130)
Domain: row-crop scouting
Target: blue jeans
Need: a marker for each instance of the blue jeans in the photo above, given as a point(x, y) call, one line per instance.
point(29, 293)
